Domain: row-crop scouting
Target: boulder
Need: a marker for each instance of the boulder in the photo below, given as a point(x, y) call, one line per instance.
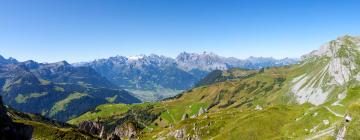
point(185, 116)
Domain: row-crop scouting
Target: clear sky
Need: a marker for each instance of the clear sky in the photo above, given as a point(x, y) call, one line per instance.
point(83, 30)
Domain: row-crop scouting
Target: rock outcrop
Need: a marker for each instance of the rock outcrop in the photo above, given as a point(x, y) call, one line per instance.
point(93, 128)
point(113, 137)
point(126, 130)
point(201, 111)
point(336, 66)
point(185, 116)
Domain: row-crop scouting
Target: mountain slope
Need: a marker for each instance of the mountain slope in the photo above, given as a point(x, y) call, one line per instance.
point(17, 125)
point(308, 100)
point(156, 77)
point(54, 90)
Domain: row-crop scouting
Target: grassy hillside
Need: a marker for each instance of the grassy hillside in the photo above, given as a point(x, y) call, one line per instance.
point(308, 100)
point(254, 107)
point(18, 125)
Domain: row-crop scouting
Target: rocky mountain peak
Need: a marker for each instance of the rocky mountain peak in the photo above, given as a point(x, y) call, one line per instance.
point(62, 63)
point(136, 57)
point(31, 64)
point(7, 61)
point(204, 61)
point(337, 63)
point(184, 56)
point(336, 48)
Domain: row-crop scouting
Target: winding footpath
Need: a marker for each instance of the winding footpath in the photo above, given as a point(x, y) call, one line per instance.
point(342, 132)
point(333, 112)
point(329, 131)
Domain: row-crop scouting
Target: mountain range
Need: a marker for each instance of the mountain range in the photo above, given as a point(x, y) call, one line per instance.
point(155, 77)
point(53, 89)
point(317, 98)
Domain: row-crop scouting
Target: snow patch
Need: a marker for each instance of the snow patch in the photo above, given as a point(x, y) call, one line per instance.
point(137, 57)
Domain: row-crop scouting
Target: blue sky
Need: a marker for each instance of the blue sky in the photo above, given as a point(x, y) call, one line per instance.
point(83, 30)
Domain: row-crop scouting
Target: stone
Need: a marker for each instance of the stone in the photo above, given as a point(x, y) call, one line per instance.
point(127, 130)
point(92, 127)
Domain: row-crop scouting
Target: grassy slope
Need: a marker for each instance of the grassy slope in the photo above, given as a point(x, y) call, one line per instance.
point(61, 105)
point(232, 111)
point(102, 111)
point(43, 128)
point(244, 93)
point(48, 132)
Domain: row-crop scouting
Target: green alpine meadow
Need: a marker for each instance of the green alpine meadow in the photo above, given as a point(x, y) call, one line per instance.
point(179, 70)
point(308, 100)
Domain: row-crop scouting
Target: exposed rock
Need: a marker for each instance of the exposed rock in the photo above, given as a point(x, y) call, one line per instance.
point(113, 137)
point(201, 111)
point(179, 133)
point(338, 61)
point(102, 133)
point(185, 116)
point(326, 122)
point(127, 130)
point(93, 128)
point(5, 120)
point(258, 107)
point(315, 114)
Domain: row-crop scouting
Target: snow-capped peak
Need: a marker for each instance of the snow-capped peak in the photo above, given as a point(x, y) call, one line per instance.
point(136, 57)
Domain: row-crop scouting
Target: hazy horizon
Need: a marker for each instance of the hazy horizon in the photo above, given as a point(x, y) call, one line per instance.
point(76, 31)
point(8, 57)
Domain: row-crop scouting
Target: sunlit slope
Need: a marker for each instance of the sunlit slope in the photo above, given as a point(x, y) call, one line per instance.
point(304, 101)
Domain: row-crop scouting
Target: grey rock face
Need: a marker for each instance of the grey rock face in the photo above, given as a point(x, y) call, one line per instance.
point(127, 130)
point(113, 137)
point(93, 128)
point(185, 116)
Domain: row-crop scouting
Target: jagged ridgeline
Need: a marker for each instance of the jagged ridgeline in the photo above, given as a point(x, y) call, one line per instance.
point(62, 91)
point(153, 77)
point(307, 100)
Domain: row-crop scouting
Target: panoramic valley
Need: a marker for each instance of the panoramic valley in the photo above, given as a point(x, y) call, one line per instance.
point(274, 99)
point(179, 70)
point(55, 89)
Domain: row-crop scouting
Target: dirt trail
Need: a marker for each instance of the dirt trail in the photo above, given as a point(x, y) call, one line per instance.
point(342, 132)
point(329, 131)
point(333, 112)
